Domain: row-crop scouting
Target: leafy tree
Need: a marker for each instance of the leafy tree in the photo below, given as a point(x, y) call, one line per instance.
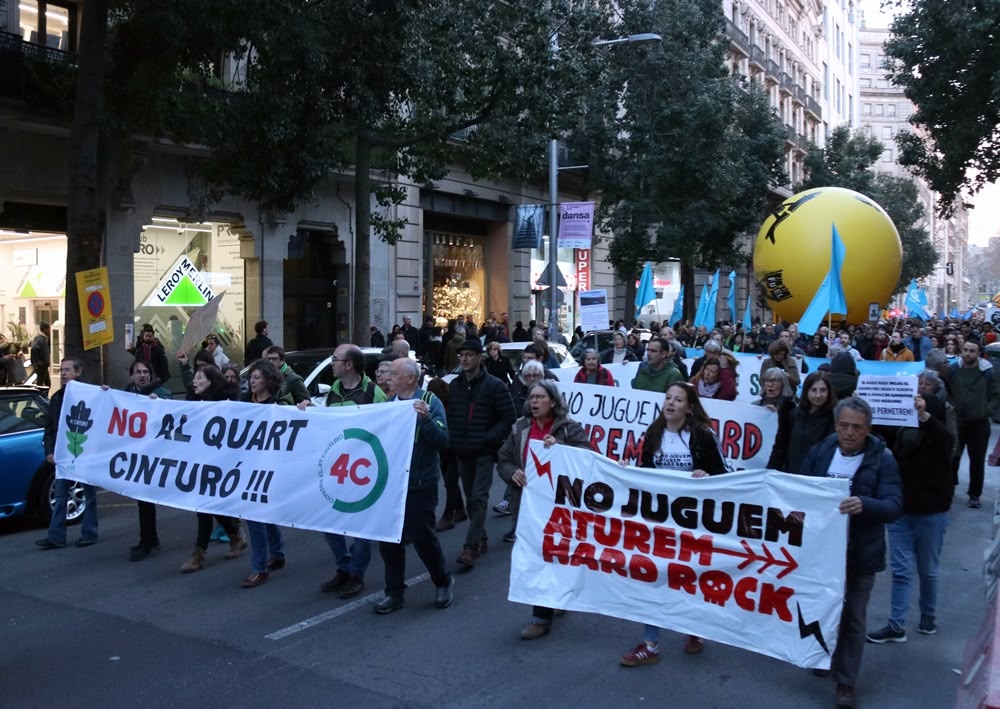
point(695, 152)
point(946, 57)
point(847, 161)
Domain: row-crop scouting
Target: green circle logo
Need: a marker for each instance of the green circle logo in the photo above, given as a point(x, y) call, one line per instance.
point(353, 471)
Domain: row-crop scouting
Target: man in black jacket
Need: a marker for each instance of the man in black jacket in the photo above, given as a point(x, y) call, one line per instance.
point(480, 415)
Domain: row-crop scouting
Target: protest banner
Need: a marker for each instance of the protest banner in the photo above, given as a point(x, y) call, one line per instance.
point(753, 559)
point(342, 470)
point(616, 418)
point(891, 399)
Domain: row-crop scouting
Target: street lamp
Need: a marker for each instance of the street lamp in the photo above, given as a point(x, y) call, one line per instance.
point(642, 38)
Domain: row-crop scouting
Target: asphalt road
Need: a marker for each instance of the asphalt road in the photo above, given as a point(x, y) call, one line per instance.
point(89, 628)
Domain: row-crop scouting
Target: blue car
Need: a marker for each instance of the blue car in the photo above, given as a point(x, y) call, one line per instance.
point(25, 478)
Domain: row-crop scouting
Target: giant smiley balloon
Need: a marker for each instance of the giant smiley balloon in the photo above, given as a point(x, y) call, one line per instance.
point(791, 256)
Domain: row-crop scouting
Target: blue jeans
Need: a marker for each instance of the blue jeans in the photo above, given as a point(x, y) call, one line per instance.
point(265, 543)
point(88, 523)
point(915, 538)
point(353, 561)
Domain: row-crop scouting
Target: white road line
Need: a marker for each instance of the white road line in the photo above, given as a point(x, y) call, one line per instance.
point(337, 612)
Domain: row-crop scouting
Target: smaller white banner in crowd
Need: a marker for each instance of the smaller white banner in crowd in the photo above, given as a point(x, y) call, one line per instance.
point(754, 559)
point(891, 399)
point(617, 418)
point(576, 226)
point(343, 469)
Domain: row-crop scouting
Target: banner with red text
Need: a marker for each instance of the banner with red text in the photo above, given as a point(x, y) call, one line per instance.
point(617, 417)
point(342, 469)
point(753, 559)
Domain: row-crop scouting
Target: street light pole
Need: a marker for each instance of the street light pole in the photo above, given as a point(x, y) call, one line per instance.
point(645, 37)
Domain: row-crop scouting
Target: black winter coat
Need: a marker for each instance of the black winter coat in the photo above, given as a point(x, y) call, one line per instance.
point(480, 414)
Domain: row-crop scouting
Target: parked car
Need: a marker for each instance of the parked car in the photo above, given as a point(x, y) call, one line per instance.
point(26, 479)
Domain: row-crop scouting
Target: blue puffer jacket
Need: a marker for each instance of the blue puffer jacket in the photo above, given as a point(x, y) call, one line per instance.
point(878, 485)
point(431, 438)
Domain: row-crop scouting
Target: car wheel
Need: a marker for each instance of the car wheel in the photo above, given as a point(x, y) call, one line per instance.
point(76, 502)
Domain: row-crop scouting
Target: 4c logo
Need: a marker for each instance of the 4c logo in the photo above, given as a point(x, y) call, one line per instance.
point(342, 472)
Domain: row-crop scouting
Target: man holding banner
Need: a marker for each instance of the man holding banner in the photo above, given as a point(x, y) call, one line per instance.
point(854, 454)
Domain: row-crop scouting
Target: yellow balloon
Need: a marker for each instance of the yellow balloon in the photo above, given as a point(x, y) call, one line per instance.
point(791, 256)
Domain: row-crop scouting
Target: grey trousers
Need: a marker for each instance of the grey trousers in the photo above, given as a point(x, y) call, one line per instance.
point(476, 475)
point(846, 663)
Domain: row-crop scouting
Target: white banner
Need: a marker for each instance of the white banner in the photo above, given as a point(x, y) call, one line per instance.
point(753, 559)
point(342, 469)
point(891, 399)
point(576, 225)
point(616, 419)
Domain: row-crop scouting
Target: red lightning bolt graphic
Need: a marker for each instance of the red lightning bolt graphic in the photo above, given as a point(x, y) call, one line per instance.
point(542, 468)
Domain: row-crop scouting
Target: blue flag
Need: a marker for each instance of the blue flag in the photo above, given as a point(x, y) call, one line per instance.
point(644, 294)
point(830, 297)
point(678, 313)
point(699, 316)
point(731, 299)
point(747, 325)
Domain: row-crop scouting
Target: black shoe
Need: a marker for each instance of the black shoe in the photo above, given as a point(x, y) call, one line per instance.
point(336, 583)
point(86, 541)
point(49, 544)
point(443, 595)
point(388, 605)
point(141, 551)
point(354, 586)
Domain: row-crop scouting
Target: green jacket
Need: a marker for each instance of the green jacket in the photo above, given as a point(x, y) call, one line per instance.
point(367, 392)
point(649, 380)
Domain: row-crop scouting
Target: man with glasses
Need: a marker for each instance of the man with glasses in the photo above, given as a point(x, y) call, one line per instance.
point(293, 385)
point(658, 372)
point(352, 387)
point(421, 494)
point(480, 414)
point(69, 369)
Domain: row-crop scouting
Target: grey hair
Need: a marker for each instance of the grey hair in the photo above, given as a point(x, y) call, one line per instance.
point(559, 409)
point(713, 346)
point(929, 375)
point(936, 358)
point(411, 365)
point(854, 403)
point(786, 387)
point(533, 366)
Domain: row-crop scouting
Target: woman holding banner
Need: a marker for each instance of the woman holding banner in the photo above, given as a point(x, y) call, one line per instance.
point(681, 438)
point(545, 419)
point(779, 397)
point(209, 384)
point(811, 422)
point(592, 372)
point(267, 550)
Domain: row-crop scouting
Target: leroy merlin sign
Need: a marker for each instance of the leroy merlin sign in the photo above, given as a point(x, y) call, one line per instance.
point(182, 285)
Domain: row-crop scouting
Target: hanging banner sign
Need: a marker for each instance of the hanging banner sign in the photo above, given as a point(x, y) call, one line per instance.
point(93, 291)
point(342, 470)
point(576, 225)
point(616, 419)
point(753, 559)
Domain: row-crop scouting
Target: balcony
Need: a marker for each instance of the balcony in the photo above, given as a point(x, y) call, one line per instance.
point(738, 37)
point(40, 76)
point(771, 67)
point(757, 57)
point(787, 84)
point(813, 108)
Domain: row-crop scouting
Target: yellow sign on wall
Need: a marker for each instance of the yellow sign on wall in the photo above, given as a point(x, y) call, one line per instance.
point(94, 294)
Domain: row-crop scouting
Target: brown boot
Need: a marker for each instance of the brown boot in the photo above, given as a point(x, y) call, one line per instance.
point(195, 563)
point(237, 545)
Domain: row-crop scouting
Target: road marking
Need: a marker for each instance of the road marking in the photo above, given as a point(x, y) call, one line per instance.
point(337, 612)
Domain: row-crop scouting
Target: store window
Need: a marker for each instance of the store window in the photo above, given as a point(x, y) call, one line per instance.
point(458, 275)
point(179, 267)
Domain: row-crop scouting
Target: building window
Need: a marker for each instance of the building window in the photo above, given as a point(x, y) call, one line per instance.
point(47, 23)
